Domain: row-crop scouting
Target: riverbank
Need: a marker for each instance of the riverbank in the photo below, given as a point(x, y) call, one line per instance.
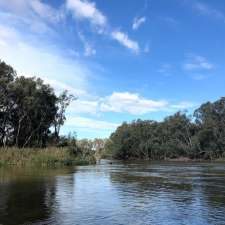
point(178, 160)
point(186, 159)
point(42, 157)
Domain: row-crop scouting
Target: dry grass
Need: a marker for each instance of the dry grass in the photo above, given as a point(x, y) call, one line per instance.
point(41, 157)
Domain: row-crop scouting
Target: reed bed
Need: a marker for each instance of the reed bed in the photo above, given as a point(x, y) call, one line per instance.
point(42, 157)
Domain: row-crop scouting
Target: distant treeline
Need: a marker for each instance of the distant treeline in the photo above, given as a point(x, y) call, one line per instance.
point(28, 109)
point(201, 135)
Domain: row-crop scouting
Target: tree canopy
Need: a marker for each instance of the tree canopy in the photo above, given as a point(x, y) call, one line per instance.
point(28, 108)
point(199, 136)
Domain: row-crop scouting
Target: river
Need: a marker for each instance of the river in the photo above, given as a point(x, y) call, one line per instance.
point(155, 193)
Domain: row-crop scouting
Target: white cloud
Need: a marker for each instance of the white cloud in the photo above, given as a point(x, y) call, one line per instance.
point(7, 34)
point(84, 106)
point(32, 11)
point(183, 105)
point(18, 6)
point(88, 49)
point(27, 59)
point(87, 10)
point(39, 17)
point(196, 62)
point(60, 86)
point(137, 22)
point(124, 40)
point(132, 103)
point(45, 11)
point(124, 102)
point(209, 11)
point(88, 123)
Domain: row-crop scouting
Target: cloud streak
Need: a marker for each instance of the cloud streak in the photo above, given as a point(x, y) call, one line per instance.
point(88, 49)
point(54, 69)
point(124, 40)
point(137, 22)
point(197, 62)
point(205, 9)
point(86, 10)
point(40, 18)
point(183, 105)
point(38, 15)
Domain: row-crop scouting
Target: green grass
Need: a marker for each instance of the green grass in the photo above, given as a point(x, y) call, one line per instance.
point(42, 157)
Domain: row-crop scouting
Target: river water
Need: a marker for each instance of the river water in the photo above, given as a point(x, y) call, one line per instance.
point(118, 193)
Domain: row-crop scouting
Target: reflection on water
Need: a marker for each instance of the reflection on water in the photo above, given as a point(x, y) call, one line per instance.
point(26, 195)
point(132, 193)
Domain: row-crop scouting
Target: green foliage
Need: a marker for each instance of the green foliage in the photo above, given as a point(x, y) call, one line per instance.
point(28, 109)
point(177, 136)
point(210, 121)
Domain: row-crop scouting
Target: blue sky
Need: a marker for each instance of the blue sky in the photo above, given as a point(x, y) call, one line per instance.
point(123, 59)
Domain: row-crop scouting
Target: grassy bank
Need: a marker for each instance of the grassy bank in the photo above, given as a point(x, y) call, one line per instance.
point(42, 157)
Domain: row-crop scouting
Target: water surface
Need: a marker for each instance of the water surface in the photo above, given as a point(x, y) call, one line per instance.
point(118, 193)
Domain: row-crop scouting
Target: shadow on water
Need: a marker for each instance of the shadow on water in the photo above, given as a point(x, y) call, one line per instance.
point(27, 195)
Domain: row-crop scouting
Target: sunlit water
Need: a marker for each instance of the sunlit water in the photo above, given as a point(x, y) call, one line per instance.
point(132, 193)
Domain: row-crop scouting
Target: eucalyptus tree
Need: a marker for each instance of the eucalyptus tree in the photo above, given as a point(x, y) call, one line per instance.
point(62, 103)
point(7, 76)
point(34, 111)
point(178, 132)
point(210, 119)
point(28, 109)
point(178, 135)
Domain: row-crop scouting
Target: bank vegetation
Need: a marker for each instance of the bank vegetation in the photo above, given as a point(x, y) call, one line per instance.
point(31, 117)
point(198, 136)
